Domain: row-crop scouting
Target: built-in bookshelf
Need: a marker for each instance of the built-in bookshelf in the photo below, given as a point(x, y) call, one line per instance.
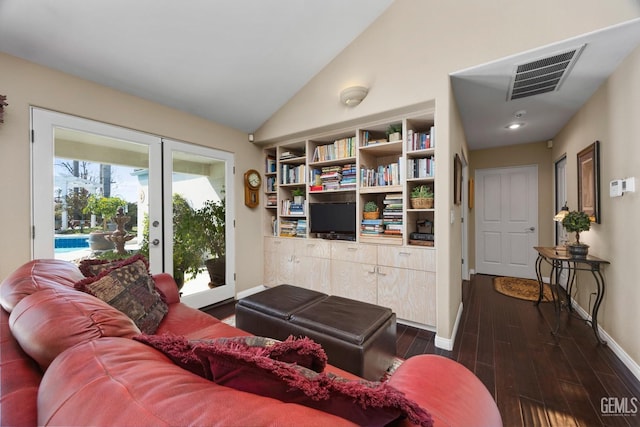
point(366, 163)
point(385, 262)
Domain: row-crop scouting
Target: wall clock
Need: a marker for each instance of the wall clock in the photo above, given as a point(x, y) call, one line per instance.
point(252, 182)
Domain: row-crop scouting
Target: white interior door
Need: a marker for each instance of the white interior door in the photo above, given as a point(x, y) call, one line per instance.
point(506, 221)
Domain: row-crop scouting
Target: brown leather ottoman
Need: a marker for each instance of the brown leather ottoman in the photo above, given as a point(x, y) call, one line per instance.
point(357, 337)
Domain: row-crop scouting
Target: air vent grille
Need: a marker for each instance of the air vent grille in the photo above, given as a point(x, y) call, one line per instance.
point(542, 75)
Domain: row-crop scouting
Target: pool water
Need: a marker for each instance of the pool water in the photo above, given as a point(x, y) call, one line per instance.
point(66, 243)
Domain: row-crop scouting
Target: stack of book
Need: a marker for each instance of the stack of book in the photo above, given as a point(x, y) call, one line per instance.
point(331, 177)
point(372, 227)
point(292, 209)
point(348, 181)
point(301, 228)
point(288, 228)
point(368, 139)
point(285, 155)
point(272, 199)
point(392, 214)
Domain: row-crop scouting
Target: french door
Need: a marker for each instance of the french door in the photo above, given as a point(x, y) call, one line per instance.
point(83, 170)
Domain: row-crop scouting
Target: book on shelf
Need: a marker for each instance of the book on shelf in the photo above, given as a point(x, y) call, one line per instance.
point(420, 140)
point(291, 154)
point(289, 228)
point(293, 174)
point(383, 175)
point(421, 167)
point(372, 227)
point(270, 165)
point(339, 149)
point(290, 208)
point(367, 139)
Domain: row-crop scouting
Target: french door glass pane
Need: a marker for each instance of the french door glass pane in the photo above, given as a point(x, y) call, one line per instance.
point(198, 201)
point(100, 186)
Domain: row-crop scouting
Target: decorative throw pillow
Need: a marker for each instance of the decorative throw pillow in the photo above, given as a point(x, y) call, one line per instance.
point(129, 287)
point(231, 364)
point(302, 351)
point(94, 267)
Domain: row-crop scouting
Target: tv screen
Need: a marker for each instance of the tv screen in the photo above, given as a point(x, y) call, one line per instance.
point(338, 218)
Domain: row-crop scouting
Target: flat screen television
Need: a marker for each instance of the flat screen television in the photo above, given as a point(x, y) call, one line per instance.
point(333, 220)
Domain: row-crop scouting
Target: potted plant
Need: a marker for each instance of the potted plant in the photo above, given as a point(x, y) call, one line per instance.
point(371, 211)
point(576, 222)
point(106, 208)
point(298, 195)
point(212, 233)
point(394, 132)
point(422, 197)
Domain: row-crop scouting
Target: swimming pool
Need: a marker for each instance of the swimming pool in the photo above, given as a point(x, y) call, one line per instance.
point(63, 243)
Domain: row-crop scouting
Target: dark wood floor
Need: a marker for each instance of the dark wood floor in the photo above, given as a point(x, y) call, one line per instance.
point(536, 378)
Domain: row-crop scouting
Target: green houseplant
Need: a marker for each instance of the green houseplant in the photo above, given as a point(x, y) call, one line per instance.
point(576, 222)
point(370, 210)
point(421, 197)
point(298, 195)
point(211, 219)
point(394, 132)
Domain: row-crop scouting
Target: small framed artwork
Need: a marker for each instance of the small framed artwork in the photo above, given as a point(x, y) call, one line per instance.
point(589, 181)
point(457, 180)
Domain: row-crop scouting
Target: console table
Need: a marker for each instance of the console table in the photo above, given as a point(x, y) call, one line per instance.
point(559, 259)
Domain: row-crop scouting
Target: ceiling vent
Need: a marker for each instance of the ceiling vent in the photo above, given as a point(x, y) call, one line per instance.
point(542, 75)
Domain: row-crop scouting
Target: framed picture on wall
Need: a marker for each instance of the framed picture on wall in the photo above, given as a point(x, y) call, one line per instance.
point(457, 180)
point(589, 181)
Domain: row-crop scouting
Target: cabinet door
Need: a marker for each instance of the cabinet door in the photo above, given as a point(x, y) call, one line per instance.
point(313, 273)
point(409, 293)
point(354, 280)
point(279, 261)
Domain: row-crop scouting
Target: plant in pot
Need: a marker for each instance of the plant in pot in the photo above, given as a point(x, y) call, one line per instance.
point(576, 222)
point(188, 251)
point(106, 208)
point(371, 211)
point(212, 233)
point(394, 132)
point(421, 197)
point(298, 195)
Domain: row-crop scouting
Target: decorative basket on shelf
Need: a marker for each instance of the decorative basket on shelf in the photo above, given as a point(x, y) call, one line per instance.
point(421, 203)
point(371, 210)
point(371, 215)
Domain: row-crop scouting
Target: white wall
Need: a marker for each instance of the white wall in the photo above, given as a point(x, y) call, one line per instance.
point(611, 117)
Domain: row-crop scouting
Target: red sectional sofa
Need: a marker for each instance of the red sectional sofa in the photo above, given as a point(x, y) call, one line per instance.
point(68, 358)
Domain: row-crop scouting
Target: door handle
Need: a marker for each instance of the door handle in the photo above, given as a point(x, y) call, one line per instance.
point(530, 229)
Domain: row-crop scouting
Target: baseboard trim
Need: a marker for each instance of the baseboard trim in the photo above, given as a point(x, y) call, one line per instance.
point(611, 343)
point(447, 343)
point(251, 291)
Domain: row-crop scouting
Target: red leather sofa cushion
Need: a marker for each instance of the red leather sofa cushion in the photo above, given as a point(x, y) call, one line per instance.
point(78, 317)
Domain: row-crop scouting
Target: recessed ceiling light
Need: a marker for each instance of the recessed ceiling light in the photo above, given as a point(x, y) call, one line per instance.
point(514, 126)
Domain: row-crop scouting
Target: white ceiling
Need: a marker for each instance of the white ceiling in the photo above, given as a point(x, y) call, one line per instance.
point(481, 92)
point(235, 62)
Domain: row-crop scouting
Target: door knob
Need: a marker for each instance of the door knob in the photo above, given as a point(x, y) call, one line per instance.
point(531, 229)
